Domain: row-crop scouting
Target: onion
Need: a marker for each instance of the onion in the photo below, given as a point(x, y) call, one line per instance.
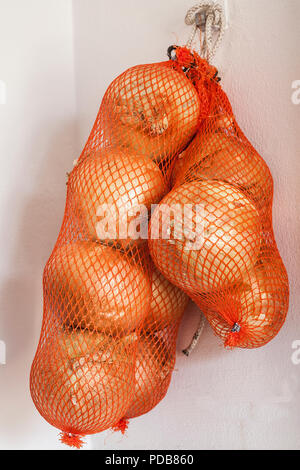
point(97, 287)
point(154, 366)
point(203, 145)
point(167, 305)
point(151, 110)
point(219, 156)
point(219, 250)
point(258, 306)
point(83, 382)
point(122, 182)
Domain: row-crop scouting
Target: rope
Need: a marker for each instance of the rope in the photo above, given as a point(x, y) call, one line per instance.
point(208, 17)
point(196, 336)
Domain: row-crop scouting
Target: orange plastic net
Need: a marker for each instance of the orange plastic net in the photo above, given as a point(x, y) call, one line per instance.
point(107, 346)
point(111, 316)
point(220, 246)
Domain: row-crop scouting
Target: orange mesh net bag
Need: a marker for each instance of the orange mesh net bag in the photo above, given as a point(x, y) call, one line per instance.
point(212, 234)
point(107, 346)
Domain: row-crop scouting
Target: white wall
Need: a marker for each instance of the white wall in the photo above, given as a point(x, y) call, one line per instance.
point(37, 147)
point(217, 399)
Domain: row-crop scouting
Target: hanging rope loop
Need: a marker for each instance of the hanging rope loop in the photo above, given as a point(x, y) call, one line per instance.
point(208, 18)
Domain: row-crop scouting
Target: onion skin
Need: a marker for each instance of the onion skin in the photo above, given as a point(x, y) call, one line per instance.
point(231, 237)
point(167, 304)
point(151, 110)
point(219, 156)
point(82, 382)
point(154, 367)
point(123, 182)
point(98, 288)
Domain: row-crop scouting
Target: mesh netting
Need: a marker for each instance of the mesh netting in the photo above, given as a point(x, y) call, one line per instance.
point(222, 250)
point(111, 317)
point(107, 345)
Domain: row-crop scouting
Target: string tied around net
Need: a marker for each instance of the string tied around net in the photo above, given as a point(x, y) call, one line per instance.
point(208, 18)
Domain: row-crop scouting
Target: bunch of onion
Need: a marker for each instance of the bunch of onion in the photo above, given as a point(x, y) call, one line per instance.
point(84, 380)
point(91, 367)
point(151, 110)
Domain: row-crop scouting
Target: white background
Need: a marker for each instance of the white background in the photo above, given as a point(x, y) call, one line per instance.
point(57, 58)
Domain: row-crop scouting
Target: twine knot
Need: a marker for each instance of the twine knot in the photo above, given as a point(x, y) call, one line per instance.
point(198, 14)
point(208, 17)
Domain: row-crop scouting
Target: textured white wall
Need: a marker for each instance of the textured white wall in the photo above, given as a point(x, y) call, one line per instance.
point(217, 399)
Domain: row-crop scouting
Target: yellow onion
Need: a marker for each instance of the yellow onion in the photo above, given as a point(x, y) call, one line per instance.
point(167, 304)
point(219, 156)
point(203, 145)
point(263, 301)
point(151, 110)
point(97, 287)
point(211, 247)
point(124, 183)
point(154, 366)
point(257, 306)
point(84, 381)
